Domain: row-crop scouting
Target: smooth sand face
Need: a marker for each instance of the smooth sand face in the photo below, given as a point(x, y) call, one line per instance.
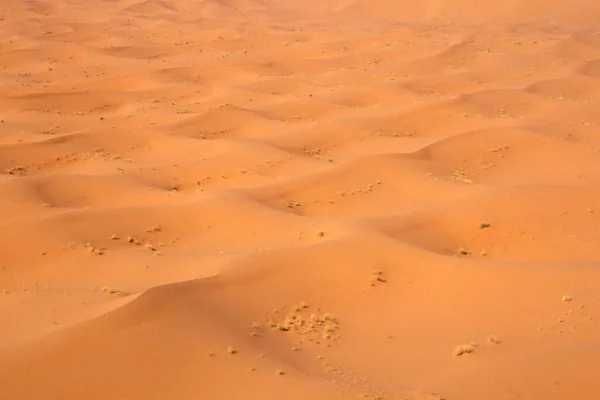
point(299, 200)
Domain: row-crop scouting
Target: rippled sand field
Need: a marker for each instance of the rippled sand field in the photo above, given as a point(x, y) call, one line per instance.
point(285, 199)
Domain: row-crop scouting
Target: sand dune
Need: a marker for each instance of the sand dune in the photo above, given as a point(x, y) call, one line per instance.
point(575, 15)
point(280, 199)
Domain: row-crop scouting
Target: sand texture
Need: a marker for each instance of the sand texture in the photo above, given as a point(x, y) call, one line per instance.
point(286, 199)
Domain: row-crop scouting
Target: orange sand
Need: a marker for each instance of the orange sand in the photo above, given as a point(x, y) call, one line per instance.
point(302, 184)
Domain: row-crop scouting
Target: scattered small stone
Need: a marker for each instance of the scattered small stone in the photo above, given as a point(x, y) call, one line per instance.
point(484, 225)
point(231, 350)
point(279, 372)
point(567, 298)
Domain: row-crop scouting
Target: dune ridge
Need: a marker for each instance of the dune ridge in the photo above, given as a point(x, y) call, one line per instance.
point(259, 199)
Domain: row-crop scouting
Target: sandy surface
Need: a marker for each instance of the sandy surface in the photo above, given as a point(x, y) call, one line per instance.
point(284, 199)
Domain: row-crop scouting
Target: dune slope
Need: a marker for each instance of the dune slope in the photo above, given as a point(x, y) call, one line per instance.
point(269, 199)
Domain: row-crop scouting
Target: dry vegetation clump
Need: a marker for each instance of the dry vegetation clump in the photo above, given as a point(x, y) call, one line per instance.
point(314, 327)
point(150, 246)
point(294, 204)
point(93, 249)
point(493, 340)
point(112, 290)
point(461, 251)
point(464, 349)
point(377, 278)
point(18, 170)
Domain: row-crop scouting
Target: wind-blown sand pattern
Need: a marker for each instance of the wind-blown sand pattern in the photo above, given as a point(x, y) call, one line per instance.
point(299, 199)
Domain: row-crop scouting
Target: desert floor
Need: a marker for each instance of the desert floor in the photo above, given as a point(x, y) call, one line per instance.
point(280, 199)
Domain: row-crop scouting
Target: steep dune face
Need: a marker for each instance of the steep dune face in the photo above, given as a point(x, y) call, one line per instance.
point(260, 199)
